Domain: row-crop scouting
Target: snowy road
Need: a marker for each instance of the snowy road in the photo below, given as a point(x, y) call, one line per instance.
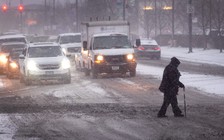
point(106, 108)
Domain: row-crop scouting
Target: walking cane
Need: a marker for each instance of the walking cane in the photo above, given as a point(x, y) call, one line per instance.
point(185, 107)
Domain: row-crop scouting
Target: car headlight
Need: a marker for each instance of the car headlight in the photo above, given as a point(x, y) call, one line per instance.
point(3, 59)
point(65, 64)
point(31, 65)
point(130, 57)
point(99, 59)
point(13, 65)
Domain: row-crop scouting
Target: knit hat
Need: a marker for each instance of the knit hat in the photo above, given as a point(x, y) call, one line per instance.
point(175, 60)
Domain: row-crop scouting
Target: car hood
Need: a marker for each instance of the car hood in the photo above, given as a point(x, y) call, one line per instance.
point(48, 60)
point(71, 45)
point(114, 51)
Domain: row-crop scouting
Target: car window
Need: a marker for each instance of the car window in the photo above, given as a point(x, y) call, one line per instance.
point(70, 39)
point(46, 51)
point(8, 48)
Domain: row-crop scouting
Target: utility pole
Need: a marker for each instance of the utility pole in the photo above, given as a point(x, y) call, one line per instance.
point(172, 23)
point(124, 9)
point(45, 16)
point(155, 2)
point(190, 11)
point(77, 16)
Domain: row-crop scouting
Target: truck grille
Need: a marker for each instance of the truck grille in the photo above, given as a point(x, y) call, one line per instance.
point(115, 59)
point(49, 66)
point(73, 49)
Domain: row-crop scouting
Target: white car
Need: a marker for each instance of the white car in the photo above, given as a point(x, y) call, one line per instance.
point(71, 43)
point(44, 61)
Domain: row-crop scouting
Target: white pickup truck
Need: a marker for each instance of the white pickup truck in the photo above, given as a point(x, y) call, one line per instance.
point(106, 48)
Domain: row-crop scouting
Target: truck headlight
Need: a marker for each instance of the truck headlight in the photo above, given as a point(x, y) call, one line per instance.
point(99, 59)
point(31, 65)
point(65, 64)
point(130, 57)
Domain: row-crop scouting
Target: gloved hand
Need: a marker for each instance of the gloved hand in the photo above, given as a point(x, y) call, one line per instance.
point(182, 85)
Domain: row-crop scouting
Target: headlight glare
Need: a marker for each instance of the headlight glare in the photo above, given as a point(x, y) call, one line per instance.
point(3, 59)
point(65, 64)
point(31, 65)
point(13, 65)
point(130, 56)
point(99, 59)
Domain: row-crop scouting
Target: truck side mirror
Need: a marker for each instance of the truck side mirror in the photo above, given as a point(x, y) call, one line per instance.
point(21, 56)
point(138, 42)
point(84, 44)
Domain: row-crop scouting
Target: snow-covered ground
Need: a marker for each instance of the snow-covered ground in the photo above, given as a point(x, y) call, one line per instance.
point(208, 83)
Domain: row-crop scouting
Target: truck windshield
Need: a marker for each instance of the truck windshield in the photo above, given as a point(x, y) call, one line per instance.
point(111, 42)
point(71, 39)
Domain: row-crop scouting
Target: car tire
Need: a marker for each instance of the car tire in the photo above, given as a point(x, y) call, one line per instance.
point(27, 82)
point(67, 80)
point(133, 73)
point(94, 73)
point(87, 72)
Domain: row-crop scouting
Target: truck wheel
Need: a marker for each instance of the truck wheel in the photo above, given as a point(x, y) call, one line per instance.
point(27, 82)
point(94, 73)
point(67, 80)
point(87, 72)
point(133, 73)
point(21, 79)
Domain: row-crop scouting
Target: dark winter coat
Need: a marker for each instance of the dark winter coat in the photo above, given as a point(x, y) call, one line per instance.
point(170, 81)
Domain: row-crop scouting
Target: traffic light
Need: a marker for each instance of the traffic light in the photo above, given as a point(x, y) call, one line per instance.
point(20, 8)
point(4, 7)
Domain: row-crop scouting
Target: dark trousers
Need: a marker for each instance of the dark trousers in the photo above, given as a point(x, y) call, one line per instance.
point(170, 99)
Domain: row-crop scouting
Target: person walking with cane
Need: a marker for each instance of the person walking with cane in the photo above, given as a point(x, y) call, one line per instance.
point(169, 86)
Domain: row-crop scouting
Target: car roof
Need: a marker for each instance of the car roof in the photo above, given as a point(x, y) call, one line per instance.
point(148, 42)
point(109, 34)
point(12, 36)
point(69, 34)
point(43, 44)
point(13, 43)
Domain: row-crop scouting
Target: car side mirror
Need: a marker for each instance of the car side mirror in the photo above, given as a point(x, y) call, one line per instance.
point(138, 42)
point(84, 44)
point(68, 55)
point(21, 56)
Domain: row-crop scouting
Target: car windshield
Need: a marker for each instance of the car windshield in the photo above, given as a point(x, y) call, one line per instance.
point(46, 51)
point(14, 54)
point(21, 39)
point(8, 48)
point(70, 39)
point(111, 42)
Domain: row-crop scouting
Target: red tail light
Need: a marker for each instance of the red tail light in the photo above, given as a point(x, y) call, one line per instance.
point(156, 48)
point(141, 48)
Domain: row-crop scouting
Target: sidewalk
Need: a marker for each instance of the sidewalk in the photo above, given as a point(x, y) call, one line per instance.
point(210, 56)
point(208, 84)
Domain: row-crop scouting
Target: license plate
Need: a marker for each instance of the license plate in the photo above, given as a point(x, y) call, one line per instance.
point(115, 67)
point(49, 72)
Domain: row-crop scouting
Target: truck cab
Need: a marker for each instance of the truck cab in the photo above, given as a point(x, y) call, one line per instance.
point(110, 51)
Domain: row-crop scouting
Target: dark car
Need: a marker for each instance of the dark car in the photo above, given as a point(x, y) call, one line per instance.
point(5, 49)
point(13, 63)
point(148, 48)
